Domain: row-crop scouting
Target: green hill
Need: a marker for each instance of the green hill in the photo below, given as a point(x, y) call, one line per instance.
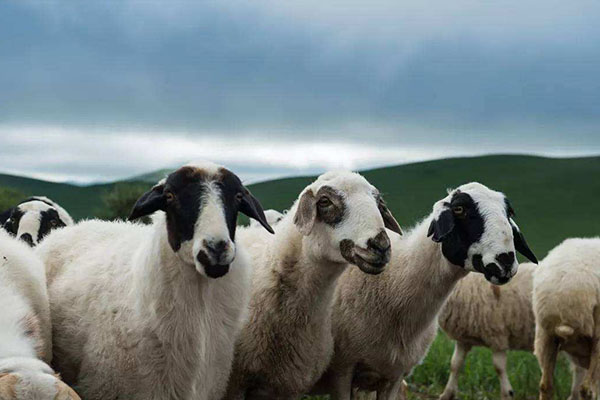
point(554, 198)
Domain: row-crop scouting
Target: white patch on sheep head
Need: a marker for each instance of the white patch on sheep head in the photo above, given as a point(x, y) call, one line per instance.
point(474, 225)
point(343, 219)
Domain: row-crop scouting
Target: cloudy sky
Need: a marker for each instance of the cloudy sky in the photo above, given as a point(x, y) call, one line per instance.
point(93, 91)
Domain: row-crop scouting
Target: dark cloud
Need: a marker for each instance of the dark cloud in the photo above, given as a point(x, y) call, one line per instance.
point(381, 73)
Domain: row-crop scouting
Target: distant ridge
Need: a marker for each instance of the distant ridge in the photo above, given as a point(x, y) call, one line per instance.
point(554, 197)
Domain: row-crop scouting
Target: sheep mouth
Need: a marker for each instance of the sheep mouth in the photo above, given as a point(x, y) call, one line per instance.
point(370, 262)
point(215, 270)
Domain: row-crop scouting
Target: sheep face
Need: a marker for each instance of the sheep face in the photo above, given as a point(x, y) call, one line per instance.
point(34, 218)
point(343, 218)
point(475, 226)
point(201, 202)
point(31, 379)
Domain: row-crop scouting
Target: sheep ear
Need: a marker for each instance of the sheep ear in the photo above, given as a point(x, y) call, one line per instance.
point(252, 208)
point(520, 244)
point(442, 226)
point(306, 214)
point(388, 219)
point(151, 201)
point(9, 225)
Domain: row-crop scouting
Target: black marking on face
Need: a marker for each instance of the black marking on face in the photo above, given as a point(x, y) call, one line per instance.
point(49, 219)
point(12, 223)
point(232, 195)
point(458, 227)
point(183, 192)
point(331, 206)
point(5, 215)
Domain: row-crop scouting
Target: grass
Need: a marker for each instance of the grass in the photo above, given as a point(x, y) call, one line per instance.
point(554, 199)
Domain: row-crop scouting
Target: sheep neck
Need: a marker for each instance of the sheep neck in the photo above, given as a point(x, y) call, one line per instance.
point(171, 297)
point(310, 278)
point(424, 277)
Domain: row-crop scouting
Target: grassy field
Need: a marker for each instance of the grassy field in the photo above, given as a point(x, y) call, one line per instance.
point(553, 198)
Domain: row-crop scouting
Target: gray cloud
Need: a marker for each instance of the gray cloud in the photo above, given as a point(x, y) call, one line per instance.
point(501, 76)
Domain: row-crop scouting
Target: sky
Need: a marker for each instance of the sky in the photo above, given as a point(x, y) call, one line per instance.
point(97, 91)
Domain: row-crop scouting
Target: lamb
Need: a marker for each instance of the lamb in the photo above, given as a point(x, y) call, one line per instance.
point(32, 219)
point(286, 343)
point(566, 305)
point(138, 311)
point(383, 327)
point(25, 329)
point(500, 318)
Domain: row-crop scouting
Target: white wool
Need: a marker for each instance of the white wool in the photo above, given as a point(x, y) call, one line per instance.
point(566, 304)
point(25, 330)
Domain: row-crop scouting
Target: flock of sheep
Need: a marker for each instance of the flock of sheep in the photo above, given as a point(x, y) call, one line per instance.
point(330, 297)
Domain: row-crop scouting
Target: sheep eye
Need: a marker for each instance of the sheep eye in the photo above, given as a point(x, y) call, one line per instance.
point(53, 222)
point(169, 197)
point(324, 202)
point(239, 196)
point(458, 210)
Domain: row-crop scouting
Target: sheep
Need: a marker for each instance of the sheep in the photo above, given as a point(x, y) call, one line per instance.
point(273, 217)
point(25, 329)
point(566, 305)
point(32, 219)
point(286, 343)
point(384, 326)
point(500, 318)
point(138, 311)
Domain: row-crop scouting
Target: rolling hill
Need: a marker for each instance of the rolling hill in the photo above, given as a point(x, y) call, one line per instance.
point(554, 198)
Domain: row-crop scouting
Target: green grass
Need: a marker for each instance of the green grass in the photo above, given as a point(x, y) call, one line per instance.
point(554, 199)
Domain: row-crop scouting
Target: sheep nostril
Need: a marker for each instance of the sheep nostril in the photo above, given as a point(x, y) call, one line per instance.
point(380, 243)
point(26, 237)
point(216, 249)
point(506, 259)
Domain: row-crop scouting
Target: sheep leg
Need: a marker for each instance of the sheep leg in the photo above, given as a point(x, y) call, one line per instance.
point(499, 360)
point(393, 391)
point(342, 386)
point(578, 375)
point(546, 350)
point(458, 359)
point(589, 387)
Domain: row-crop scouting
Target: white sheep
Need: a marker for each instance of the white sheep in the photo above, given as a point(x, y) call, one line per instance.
point(137, 310)
point(566, 305)
point(384, 325)
point(286, 343)
point(34, 218)
point(25, 329)
point(497, 317)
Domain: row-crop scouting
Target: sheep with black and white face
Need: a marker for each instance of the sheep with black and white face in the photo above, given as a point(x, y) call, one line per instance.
point(34, 218)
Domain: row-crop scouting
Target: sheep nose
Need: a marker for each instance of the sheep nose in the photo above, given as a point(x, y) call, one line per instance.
point(216, 249)
point(26, 237)
point(506, 259)
point(379, 243)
